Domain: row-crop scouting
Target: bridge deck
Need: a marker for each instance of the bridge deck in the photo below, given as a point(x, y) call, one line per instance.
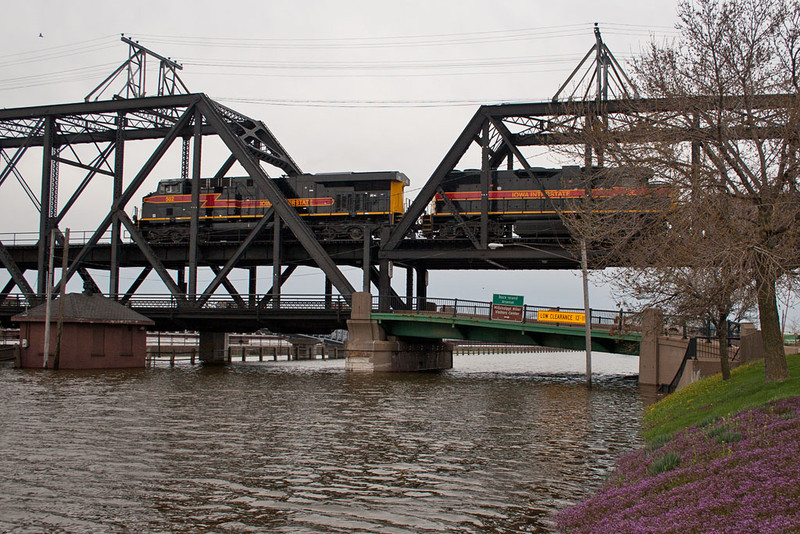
point(439, 325)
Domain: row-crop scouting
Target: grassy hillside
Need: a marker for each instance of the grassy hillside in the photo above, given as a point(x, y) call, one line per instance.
point(712, 398)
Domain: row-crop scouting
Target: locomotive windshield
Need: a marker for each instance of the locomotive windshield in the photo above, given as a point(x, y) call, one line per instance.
point(170, 186)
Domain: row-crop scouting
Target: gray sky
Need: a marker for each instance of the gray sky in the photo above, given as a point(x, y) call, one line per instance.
point(345, 85)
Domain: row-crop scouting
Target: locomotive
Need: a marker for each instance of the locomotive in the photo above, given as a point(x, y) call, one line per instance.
point(346, 205)
point(334, 205)
point(517, 204)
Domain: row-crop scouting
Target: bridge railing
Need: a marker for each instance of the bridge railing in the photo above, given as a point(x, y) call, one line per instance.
point(167, 302)
point(76, 237)
point(297, 302)
point(619, 320)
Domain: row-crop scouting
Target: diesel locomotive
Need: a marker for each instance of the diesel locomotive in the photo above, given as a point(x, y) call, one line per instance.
point(345, 205)
point(518, 206)
point(334, 205)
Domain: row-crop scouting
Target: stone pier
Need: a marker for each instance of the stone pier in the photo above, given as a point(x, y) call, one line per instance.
point(369, 349)
point(213, 347)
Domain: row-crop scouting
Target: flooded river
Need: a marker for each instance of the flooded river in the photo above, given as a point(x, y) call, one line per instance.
point(494, 446)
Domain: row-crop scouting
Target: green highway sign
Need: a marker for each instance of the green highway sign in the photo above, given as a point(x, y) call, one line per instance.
point(507, 300)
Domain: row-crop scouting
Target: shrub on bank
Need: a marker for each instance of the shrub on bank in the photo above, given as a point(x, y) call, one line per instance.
point(739, 474)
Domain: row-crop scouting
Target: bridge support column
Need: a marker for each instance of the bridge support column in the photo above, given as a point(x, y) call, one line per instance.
point(660, 356)
point(652, 326)
point(369, 349)
point(213, 347)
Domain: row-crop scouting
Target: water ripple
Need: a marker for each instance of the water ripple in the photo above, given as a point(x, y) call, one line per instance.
point(305, 448)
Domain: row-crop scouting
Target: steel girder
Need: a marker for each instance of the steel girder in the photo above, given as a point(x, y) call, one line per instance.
point(500, 130)
point(58, 128)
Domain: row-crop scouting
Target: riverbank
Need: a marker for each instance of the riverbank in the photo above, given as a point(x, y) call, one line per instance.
point(720, 456)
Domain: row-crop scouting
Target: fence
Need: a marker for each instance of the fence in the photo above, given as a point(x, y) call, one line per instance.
point(611, 319)
point(702, 348)
point(174, 347)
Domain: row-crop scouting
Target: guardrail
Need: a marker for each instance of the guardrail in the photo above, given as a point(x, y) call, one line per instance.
point(284, 303)
point(619, 319)
point(145, 302)
point(76, 237)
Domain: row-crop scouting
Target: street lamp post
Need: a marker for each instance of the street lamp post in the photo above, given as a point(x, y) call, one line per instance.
point(586, 310)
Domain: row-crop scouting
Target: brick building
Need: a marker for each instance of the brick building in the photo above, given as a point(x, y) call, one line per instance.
point(98, 333)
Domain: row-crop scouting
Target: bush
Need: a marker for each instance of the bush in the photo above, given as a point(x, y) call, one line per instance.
point(668, 462)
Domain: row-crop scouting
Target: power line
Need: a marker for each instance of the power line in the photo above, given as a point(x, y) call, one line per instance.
point(383, 65)
point(57, 52)
point(367, 103)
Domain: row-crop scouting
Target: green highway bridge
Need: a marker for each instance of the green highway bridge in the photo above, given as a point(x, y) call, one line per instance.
point(611, 331)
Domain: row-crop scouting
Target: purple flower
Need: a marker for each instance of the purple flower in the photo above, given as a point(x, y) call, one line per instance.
point(739, 475)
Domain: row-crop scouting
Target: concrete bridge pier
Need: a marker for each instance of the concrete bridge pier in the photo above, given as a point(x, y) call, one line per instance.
point(660, 356)
point(369, 349)
point(213, 347)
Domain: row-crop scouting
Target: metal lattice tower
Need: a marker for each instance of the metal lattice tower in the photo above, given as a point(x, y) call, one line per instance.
point(605, 75)
point(135, 69)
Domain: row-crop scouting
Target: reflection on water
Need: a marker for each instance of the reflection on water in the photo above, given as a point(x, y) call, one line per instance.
point(495, 445)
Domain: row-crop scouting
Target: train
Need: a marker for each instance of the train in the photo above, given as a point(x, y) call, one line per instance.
point(335, 205)
point(346, 205)
point(518, 206)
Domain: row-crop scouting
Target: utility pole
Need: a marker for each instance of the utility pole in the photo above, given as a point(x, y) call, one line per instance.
point(63, 294)
point(48, 298)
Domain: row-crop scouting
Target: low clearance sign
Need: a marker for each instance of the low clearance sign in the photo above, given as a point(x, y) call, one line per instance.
point(555, 316)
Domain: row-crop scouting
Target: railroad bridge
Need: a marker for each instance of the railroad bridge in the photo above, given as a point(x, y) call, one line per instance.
point(72, 157)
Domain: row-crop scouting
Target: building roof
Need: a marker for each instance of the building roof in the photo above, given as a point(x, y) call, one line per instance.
point(82, 308)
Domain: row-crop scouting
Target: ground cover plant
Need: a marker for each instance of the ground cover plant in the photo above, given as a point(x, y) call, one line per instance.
point(740, 474)
point(712, 398)
point(721, 457)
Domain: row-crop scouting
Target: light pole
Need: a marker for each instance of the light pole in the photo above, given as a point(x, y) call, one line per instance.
point(586, 310)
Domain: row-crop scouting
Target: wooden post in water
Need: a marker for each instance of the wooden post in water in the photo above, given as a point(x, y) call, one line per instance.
point(48, 297)
point(63, 294)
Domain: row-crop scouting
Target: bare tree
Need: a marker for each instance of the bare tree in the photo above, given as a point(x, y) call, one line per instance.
point(720, 128)
point(689, 269)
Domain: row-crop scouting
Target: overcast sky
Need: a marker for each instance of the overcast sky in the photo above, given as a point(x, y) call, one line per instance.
point(345, 85)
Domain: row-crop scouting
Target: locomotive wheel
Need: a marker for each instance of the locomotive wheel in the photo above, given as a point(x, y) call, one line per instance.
point(176, 236)
point(355, 233)
point(446, 232)
point(327, 233)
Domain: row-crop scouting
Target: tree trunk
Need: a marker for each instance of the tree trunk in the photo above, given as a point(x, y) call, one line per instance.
point(776, 369)
point(722, 339)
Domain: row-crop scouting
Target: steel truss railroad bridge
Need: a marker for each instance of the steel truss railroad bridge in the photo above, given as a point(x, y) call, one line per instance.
point(92, 139)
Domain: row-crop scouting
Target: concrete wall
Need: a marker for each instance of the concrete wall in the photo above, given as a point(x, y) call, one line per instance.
point(660, 355)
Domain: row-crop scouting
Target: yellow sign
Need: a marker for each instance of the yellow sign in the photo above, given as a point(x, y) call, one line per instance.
point(554, 316)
